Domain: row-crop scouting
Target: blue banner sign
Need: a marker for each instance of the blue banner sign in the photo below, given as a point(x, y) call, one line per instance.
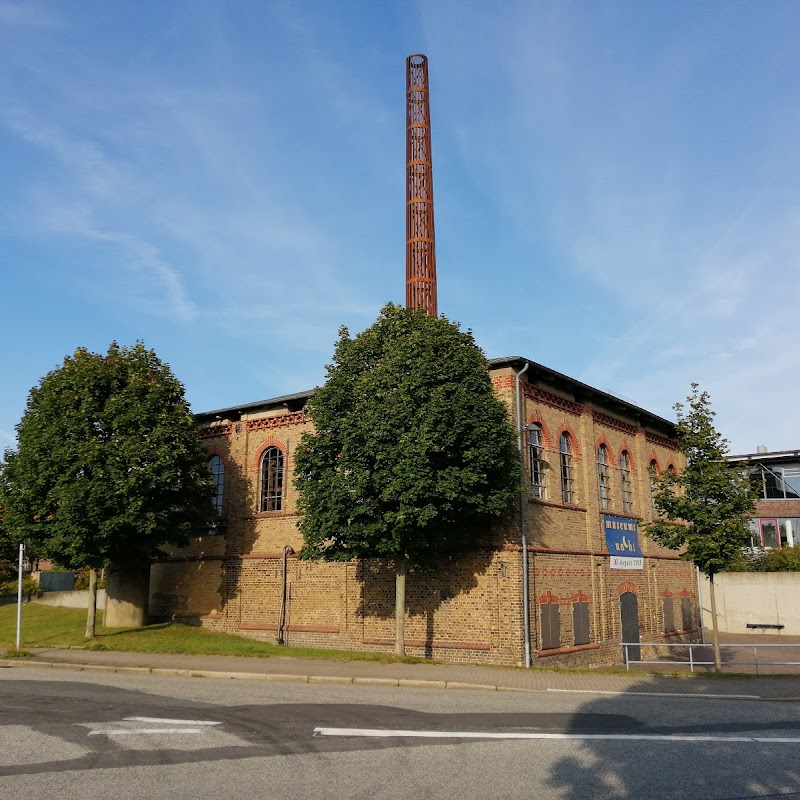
point(622, 540)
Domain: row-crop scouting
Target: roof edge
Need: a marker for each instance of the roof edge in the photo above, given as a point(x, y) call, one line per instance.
point(583, 388)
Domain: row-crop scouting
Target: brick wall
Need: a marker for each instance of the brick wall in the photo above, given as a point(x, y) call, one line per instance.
point(470, 608)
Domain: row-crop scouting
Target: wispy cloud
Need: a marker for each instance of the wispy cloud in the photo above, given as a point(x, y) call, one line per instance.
point(26, 15)
point(616, 188)
point(93, 171)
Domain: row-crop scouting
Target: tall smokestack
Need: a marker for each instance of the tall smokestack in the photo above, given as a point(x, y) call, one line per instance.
point(420, 238)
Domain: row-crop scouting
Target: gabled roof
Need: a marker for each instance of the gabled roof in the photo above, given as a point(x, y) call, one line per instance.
point(580, 391)
point(298, 399)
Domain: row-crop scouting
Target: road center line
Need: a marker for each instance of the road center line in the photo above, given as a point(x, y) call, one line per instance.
point(171, 721)
point(134, 731)
point(659, 694)
point(393, 734)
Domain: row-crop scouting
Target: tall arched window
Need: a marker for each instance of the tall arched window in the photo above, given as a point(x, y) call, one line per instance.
point(271, 489)
point(217, 468)
point(672, 475)
point(537, 462)
point(653, 473)
point(625, 481)
point(567, 480)
point(603, 476)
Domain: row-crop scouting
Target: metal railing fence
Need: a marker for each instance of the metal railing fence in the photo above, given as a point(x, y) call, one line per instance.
point(694, 662)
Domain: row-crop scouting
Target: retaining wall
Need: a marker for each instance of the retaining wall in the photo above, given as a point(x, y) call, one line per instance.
point(754, 597)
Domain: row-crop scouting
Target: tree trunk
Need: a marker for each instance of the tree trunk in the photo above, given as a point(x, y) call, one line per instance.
point(400, 606)
point(714, 631)
point(127, 595)
point(91, 610)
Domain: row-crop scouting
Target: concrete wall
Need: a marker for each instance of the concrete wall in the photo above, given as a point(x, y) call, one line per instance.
point(76, 599)
point(757, 597)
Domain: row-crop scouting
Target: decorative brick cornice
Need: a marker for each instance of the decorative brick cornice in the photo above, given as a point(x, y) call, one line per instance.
point(214, 431)
point(535, 393)
point(260, 424)
point(280, 421)
point(613, 422)
point(661, 441)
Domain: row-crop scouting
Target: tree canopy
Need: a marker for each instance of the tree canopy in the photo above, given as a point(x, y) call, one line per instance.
point(109, 466)
point(8, 551)
point(413, 455)
point(705, 506)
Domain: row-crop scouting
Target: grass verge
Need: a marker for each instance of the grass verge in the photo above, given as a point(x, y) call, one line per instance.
point(48, 626)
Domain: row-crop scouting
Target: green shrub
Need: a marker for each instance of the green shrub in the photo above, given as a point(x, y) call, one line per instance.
point(787, 559)
point(747, 561)
point(29, 586)
point(82, 578)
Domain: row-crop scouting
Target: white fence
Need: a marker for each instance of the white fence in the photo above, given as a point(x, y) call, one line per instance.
point(734, 656)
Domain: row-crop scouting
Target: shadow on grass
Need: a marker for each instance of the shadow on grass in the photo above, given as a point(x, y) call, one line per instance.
point(175, 638)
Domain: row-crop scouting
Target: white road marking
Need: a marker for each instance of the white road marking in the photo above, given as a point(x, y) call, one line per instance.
point(658, 694)
point(171, 721)
point(379, 733)
point(132, 731)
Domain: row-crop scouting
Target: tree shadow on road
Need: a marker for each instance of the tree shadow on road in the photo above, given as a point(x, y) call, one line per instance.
point(723, 758)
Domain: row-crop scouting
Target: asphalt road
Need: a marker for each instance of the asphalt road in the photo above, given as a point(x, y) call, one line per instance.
point(81, 735)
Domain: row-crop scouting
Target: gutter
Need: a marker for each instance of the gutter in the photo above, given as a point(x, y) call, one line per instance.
point(526, 612)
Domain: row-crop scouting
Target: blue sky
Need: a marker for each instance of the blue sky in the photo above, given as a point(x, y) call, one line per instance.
point(617, 190)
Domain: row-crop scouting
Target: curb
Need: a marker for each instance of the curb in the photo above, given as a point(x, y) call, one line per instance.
point(332, 680)
point(278, 677)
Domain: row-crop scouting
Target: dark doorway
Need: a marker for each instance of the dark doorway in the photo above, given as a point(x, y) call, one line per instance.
point(629, 611)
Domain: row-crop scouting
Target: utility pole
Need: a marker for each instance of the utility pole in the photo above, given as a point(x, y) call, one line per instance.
point(19, 596)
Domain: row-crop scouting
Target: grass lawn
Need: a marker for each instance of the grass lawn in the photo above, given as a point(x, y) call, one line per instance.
point(48, 626)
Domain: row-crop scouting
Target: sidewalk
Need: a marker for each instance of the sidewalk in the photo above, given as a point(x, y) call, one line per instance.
point(432, 676)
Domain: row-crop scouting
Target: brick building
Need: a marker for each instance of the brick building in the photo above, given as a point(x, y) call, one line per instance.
point(593, 579)
point(776, 479)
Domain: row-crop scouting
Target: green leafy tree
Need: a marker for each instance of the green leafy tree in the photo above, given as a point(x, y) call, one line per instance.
point(413, 455)
point(8, 551)
point(705, 507)
point(109, 466)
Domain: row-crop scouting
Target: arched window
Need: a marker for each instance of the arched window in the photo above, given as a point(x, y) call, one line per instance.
point(567, 480)
point(271, 489)
point(217, 468)
point(537, 462)
point(653, 473)
point(603, 476)
point(625, 481)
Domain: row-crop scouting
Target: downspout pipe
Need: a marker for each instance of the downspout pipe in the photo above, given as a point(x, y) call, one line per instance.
point(526, 611)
